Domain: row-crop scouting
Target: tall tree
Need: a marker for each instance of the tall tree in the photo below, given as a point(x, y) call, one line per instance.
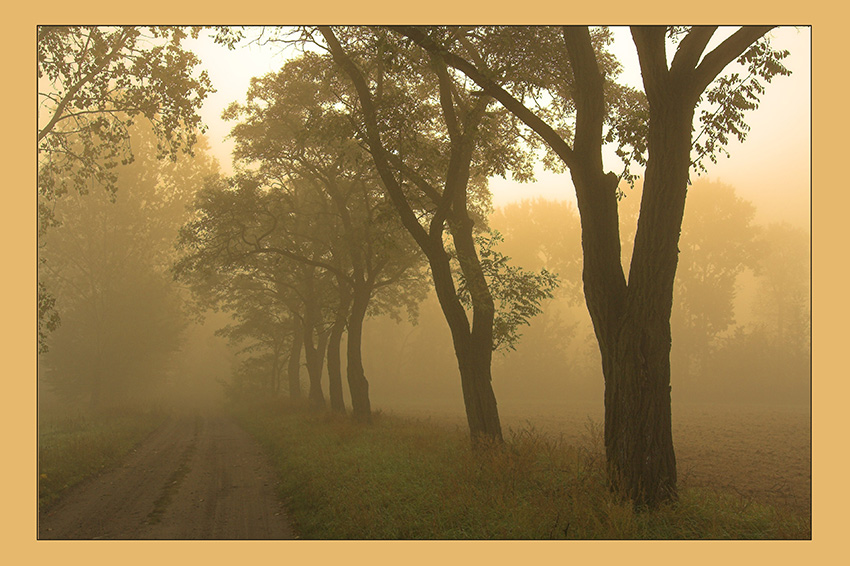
point(434, 141)
point(227, 255)
point(631, 317)
point(294, 133)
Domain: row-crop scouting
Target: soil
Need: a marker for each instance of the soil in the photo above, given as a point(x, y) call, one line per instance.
point(195, 477)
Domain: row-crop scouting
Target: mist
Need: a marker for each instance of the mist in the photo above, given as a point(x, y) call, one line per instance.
point(387, 263)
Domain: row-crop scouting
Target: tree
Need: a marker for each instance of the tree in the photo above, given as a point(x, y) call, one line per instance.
point(434, 141)
point(295, 135)
point(631, 317)
point(227, 256)
point(93, 83)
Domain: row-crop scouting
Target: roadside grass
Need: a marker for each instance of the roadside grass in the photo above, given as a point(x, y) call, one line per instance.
point(402, 478)
point(74, 445)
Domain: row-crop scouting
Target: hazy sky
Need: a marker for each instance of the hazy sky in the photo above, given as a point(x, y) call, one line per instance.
point(772, 168)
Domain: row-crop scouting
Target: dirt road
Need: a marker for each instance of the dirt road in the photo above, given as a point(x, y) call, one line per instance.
point(198, 477)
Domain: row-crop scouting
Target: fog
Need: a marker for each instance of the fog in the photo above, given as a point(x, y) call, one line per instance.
point(741, 318)
point(130, 331)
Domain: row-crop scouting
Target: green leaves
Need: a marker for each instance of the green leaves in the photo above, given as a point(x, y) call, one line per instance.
point(730, 97)
point(518, 293)
point(92, 82)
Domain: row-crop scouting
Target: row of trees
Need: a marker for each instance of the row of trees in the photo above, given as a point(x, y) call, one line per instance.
point(376, 129)
point(301, 243)
point(631, 317)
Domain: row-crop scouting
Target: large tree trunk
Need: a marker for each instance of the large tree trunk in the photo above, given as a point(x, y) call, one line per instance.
point(293, 370)
point(357, 384)
point(634, 335)
point(640, 459)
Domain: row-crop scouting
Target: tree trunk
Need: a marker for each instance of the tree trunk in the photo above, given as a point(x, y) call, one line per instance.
point(357, 384)
point(294, 365)
point(641, 462)
point(636, 349)
point(482, 413)
point(314, 355)
point(335, 365)
point(474, 354)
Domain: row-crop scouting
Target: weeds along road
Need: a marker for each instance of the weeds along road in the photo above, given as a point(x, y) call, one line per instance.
point(196, 477)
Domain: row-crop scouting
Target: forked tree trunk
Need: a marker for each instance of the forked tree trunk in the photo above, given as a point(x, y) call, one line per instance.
point(472, 345)
point(637, 341)
point(315, 361)
point(315, 358)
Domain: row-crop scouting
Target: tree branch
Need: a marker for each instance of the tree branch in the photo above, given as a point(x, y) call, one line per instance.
point(529, 118)
point(733, 47)
point(57, 114)
point(691, 48)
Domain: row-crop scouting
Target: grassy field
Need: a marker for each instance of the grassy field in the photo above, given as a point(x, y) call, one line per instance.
point(74, 445)
point(760, 453)
point(407, 478)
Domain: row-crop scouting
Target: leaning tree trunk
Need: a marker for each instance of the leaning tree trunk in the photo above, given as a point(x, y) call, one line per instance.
point(357, 383)
point(473, 349)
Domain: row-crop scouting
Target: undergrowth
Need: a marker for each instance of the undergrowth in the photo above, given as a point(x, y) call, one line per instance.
point(400, 478)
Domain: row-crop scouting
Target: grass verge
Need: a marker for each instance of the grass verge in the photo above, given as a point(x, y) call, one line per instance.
point(408, 479)
point(75, 446)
